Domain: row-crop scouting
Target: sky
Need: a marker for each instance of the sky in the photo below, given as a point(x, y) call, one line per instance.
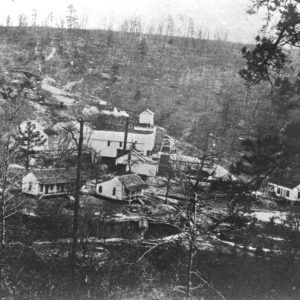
point(210, 16)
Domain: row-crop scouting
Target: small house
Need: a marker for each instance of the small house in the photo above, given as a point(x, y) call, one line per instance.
point(49, 181)
point(286, 190)
point(126, 187)
point(137, 163)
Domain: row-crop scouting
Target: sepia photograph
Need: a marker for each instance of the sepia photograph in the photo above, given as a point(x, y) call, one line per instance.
point(150, 150)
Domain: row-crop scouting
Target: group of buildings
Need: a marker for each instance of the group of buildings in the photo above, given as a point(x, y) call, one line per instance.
point(130, 151)
point(136, 154)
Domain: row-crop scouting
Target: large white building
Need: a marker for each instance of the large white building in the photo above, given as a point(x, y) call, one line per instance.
point(107, 143)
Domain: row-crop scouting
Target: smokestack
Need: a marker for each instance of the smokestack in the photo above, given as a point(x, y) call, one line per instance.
point(126, 133)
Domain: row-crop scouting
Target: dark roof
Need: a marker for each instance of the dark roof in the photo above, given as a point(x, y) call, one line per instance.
point(53, 176)
point(132, 182)
point(285, 182)
point(288, 177)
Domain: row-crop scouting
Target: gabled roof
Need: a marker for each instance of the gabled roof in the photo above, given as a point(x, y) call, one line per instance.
point(288, 177)
point(284, 182)
point(54, 176)
point(139, 157)
point(132, 182)
point(148, 111)
point(184, 158)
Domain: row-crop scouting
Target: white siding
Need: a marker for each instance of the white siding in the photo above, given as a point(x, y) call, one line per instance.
point(287, 193)
point(146, 117)
point(107, 189)
point(99, 142)
point(103, 149)
point(30, 180)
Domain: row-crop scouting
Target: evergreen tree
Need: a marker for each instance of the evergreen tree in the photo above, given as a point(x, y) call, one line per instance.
point(72, 18)
point(142, 48)
point(274, 147)
point(137, 96)
point(28, 139)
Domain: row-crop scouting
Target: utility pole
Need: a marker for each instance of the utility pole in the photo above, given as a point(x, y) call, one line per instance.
point(77, 197)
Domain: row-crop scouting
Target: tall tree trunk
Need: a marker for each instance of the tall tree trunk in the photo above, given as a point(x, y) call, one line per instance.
point(3, 207)
point(192, 216)
point(168, 189)
point(77, 198)
point(189, 273)
point(3, 223)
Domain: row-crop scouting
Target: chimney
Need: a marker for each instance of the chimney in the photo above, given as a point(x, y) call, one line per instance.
point(126, 133)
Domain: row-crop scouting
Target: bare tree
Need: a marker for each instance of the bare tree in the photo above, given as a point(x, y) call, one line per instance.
point(9, 121)
point(22, 20)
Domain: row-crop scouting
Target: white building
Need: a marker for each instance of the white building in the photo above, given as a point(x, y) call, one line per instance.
point(138, 164)
point(107, 143)
point(287, 191)
point(126, 187)
point(49, 181)
point(146, 121)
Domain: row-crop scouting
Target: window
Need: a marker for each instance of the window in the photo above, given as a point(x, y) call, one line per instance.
point(108, 143)
point(114, 191)
point(30, 186)
point(100, 189)
point(121, 144)
point(278, 191)
point(287, 193)
point(41, 188)
point(60, 187)
point(298, 194)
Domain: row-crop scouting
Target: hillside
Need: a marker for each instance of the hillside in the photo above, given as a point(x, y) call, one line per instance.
point(182, 80)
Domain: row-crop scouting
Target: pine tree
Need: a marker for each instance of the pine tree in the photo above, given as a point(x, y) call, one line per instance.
point(28, 139)
point(142, 48)
point(72, 18)
point(137, 96)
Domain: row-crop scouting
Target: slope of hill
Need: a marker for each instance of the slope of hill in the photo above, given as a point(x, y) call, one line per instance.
point(181, 79)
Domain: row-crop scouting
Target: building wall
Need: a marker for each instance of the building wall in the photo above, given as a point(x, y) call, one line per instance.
point(146, 118)
point(99, 142)
point(287, 193)
point(28, 180)
point(103, 149)
point(107, 189)
point(35, 186)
